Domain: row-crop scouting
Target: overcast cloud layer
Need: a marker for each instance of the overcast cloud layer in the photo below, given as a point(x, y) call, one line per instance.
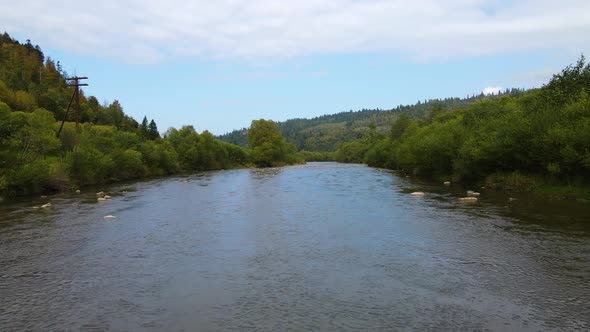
point(423, 30)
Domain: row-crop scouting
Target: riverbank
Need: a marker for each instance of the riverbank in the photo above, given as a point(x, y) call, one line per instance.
point(539, 185)
point(516, 183)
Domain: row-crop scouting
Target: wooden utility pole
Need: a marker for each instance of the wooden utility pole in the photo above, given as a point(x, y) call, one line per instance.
point(75, 82)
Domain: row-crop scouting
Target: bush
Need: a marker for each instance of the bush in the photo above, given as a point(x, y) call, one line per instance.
point(90, 166)
point(33, 177)
point(127, 164)
point(514, 181)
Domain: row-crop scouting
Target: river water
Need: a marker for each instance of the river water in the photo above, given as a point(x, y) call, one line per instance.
point(323, 246)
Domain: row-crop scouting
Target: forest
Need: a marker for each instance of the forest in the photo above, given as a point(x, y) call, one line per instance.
point(325, 133)
point(108, 145)
point(539, 138)
point(516, 139)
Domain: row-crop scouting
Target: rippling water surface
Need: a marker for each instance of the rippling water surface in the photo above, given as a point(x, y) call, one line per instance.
point(323, 246)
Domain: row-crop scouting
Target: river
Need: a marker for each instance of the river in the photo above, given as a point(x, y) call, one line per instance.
point(316, 247)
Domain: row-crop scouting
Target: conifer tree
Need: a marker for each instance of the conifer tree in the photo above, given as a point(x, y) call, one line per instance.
point(143, 128)
point(152, 130)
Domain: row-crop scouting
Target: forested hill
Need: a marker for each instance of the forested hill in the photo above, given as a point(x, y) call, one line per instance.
point(29, 80)
point(107, 146)
point(538, 141)
point(326, 132)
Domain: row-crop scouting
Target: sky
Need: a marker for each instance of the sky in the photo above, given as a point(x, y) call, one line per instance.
point(218, 65)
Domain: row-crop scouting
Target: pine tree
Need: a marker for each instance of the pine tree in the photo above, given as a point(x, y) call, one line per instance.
point(152, 130)
point(143, 128)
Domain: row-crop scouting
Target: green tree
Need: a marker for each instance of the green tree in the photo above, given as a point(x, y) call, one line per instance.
point(152, 130)
point(399, 126)
point(143, 127)
point(268, 145)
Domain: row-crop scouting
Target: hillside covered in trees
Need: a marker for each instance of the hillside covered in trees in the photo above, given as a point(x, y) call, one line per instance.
point(108, 146)
point(325, 133)
point(511, 142)
point(516, 139)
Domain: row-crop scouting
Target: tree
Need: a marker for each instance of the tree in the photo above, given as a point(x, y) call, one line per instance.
point(116, 111)
point(143, 127)
point(399, 126)
point(268, 145)
point(152, 130)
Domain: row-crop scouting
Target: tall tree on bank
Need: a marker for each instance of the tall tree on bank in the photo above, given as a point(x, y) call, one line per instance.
point(268, 145)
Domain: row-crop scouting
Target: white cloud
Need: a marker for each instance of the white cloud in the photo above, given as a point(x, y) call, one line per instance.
point(152, 30)
point(492, 90)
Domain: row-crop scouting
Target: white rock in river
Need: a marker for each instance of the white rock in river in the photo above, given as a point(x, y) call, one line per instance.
point(109, 217)
point(447, 183)
point(101, 199)
point(46, 205)
point(417, 193)
point(473, 193)
point(468, 199)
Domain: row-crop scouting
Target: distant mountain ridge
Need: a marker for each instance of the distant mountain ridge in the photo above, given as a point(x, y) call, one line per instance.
point(326, 132)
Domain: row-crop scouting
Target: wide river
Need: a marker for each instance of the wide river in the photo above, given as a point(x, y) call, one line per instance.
point(318, 247)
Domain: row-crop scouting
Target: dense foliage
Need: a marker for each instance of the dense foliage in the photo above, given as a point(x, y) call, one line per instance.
point(543, 133)
point(325, 133)
point(108, 146)
point(268, 145)
point(204, 152)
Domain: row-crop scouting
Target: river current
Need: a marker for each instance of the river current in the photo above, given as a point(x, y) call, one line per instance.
point(316, 247)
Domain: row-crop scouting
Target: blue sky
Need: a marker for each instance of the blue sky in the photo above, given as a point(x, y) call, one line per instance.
point(217, 66)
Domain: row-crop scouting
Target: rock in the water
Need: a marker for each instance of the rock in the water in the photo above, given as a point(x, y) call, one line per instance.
point(417, 193)
point(100, 193)
point(101, 199)
point(78, 191)
point(473, 194)
point(447, 183)
point(109, 217)
point(46, 205)
point(469, 199)
point(107, 197)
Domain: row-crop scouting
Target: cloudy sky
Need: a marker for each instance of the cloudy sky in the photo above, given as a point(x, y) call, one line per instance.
point(219, 64)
